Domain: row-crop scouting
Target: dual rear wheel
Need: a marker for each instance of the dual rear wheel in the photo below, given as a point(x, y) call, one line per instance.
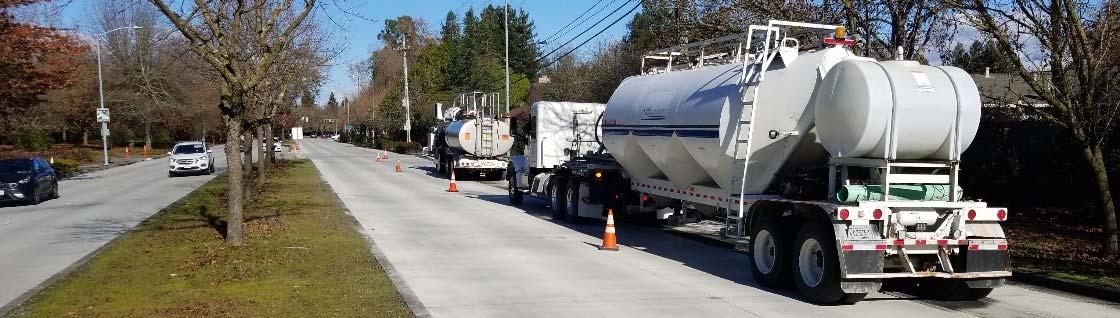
point(810, 261)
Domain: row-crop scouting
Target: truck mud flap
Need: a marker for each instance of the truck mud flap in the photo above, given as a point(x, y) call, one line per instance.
point(984, 256)
point(860, 261)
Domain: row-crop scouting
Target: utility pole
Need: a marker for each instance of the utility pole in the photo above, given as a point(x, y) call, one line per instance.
point(506, 8)
point(407, 113)
point(101, 95)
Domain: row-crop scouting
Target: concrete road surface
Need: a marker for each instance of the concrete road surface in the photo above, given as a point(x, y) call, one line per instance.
point(36, 242)
point(471, 254)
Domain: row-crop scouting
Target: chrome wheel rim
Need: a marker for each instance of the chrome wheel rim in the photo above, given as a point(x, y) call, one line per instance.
point(765, 252)
point(810, 262)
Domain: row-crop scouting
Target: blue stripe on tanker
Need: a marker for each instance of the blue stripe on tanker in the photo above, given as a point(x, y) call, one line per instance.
point(641, 130)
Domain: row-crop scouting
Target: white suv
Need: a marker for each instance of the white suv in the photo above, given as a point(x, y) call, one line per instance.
point(190, 157)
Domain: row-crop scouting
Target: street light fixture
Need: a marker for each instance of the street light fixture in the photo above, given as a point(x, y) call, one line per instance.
point(101, 94)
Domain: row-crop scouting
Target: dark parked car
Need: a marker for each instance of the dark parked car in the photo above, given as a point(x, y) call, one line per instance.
point(27, 179)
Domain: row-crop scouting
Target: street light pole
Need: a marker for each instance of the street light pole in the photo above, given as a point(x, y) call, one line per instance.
point(101, 94)
point(407, 102)
point(506, 8)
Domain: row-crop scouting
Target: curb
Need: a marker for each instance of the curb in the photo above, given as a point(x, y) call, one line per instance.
point(1098, 292)
point(1074, 288)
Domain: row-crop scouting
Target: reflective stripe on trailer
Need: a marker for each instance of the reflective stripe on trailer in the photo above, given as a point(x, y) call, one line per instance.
point(987, 245)
point(920, 243)
point(864, 245)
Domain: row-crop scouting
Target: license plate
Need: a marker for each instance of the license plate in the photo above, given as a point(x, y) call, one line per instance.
point(862, 232)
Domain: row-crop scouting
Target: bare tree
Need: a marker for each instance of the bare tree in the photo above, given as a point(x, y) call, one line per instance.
point(241, 40)
point(1069, 60)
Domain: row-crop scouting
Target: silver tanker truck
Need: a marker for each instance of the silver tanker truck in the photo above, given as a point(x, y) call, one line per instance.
point(834, 171)
point(470, 138)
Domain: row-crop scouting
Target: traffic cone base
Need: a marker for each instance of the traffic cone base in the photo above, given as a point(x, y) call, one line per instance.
point(610, 240)
point(452, 187)
point(399, 166)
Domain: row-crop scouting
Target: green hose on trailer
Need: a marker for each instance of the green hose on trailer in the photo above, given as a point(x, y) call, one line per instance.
point(910, 192)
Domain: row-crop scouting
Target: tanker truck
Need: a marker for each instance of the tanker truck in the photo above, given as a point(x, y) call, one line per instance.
point(835, 172)
point(469, 138)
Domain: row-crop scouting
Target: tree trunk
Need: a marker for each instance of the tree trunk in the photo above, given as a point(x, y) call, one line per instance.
point(85, 137)
point(147, 136)
point(234, 198)
point(1109, 246)
point(64, 139)
point(247, 135)
point(265, 148)
point(268, 135)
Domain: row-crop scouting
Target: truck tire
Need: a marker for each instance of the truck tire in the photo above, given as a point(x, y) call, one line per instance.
point(572, 199)
point(817, 267)
point(556, 194)
point(515, 195)
point(769, 253)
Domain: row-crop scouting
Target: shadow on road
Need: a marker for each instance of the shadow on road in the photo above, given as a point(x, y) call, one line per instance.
point(716, 259)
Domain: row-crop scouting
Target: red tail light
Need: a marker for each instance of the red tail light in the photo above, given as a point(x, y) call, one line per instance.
point(878, 214)
point(844, 214)
point(971, 215)
point(645, 197)
point(1001, 214)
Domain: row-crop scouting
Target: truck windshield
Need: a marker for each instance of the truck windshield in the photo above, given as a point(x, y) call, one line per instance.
point(15, 166)
point(188, 149)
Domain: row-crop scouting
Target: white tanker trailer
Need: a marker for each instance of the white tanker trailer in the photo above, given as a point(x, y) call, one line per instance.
point(469, 138)
point(833, 171)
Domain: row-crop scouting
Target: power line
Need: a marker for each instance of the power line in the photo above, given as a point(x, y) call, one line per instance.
point(589, 17)
point(565, 27)
point(525, 77)
point(591, 27)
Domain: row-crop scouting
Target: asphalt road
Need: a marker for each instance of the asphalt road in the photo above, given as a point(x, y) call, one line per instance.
point(36, 242)
point(471, 254)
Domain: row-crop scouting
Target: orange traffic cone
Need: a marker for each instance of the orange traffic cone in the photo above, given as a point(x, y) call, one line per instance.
point(384, 156)
point(610, 242)
point(377, 158)
point(399, 166)
point(452, 187)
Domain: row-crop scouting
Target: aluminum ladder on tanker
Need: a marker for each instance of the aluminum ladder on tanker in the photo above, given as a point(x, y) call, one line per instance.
point(753, 67)
point(486, 137)
point(753, 74)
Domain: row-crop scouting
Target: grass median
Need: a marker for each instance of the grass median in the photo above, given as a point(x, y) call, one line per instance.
point(303, 259)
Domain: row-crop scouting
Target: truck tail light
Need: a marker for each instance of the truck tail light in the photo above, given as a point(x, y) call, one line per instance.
point(844, 214)
point(971, 215)
point(1001, 214)
point(877, 214)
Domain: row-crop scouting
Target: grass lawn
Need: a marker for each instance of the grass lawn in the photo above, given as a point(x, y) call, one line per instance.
point(1062, 252)
point(303, 259)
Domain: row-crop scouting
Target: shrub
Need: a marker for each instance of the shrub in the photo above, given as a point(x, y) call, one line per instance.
point(33, 140)
point(65, 167)
point(407, 147)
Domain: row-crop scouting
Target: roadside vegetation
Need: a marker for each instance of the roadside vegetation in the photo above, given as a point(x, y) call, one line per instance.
point(303, 259)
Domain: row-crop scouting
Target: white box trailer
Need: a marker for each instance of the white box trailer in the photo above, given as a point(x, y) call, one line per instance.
point(835, 171)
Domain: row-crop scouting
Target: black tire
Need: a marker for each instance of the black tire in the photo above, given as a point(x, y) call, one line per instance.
point(775, 247)
point(515, 195)
point(826, 290)
point(34, 198)
point(572, 202)
point(170, 174)
point(556, 194)
point(54, 191)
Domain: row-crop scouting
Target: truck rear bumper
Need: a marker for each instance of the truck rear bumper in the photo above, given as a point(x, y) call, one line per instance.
point(967, 275)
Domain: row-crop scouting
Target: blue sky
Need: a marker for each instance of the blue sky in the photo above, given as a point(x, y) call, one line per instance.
point(356, 24)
